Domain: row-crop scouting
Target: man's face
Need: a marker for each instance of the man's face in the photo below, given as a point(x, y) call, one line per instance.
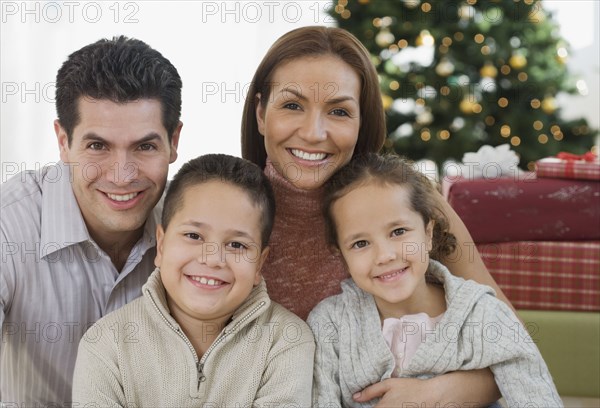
point(119, 158)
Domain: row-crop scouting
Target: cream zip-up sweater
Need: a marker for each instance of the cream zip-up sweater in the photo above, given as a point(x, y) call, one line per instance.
point(477, 331)
point(139, 356)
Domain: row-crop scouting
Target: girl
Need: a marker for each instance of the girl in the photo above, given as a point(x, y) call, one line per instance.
point(402, 314)
point(313, 104)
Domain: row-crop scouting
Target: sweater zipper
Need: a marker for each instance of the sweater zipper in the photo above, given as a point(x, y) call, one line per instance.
point(200, 362)
point(182, 335)
point(221, 337)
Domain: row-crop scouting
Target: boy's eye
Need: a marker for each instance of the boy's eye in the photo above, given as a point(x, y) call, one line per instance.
point(237, 245)
point(398, 231)
point(192, 235)
point(360, 244)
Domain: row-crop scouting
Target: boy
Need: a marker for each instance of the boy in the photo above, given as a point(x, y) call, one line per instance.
point(205, 330)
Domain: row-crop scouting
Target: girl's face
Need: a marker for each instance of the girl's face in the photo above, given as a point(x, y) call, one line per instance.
point(311, 120)
point(385, 245)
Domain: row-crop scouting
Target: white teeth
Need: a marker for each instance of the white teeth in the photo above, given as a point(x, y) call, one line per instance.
point(121, 197)
point(390, 275)
point(204, 281)
point(308, 156)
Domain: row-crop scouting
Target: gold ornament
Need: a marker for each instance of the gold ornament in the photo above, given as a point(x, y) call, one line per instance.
point(384, 38)
point(488, 70)
point(444, 68)
point(387, 101)
point(467, 104)
point(425, 38)
point(517, 61)
point(549, 105)
point(411, 4)
point(424, 118)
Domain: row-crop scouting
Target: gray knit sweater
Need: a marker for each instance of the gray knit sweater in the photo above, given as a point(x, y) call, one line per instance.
point(476, 331)
point(138, 356)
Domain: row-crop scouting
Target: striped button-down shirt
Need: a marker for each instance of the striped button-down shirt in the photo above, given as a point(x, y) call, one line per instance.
point(55, 282)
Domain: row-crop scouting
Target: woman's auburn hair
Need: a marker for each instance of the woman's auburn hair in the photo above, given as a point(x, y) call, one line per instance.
point(316, 41)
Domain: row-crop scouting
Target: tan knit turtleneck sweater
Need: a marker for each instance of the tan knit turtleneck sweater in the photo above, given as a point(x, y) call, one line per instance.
point(301, 270)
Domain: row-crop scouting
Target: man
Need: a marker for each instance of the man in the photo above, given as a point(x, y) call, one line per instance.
point(77, 238)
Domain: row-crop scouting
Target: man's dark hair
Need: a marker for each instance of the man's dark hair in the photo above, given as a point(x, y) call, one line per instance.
point(120, 70)
point(228, 169)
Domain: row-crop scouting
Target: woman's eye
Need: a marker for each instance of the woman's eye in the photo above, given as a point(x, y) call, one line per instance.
point(340, 112)
point(398, 232)
point(360, 244)
point(292, 106)
point(192, 235)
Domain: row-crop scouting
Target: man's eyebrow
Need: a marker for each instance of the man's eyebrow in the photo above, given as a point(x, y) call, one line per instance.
point(150, 137)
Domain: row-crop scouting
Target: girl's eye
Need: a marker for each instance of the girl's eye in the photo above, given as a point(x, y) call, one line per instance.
point(360, 244)
point(340, 112)
point(398, 231)
point(192, 235)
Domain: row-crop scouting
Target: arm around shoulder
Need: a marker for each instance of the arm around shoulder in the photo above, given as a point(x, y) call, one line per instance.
point(519, 368)
point(466, 261)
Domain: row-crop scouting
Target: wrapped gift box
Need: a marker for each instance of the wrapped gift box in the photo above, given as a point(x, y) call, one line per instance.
point(526, 208)
point(570, 169)
point(539, 275)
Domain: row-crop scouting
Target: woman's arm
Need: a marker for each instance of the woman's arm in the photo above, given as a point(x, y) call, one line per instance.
point(465, 261)
point(475, 388)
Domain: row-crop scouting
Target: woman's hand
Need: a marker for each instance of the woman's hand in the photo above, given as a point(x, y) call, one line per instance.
point(399, 392)
point(461, 388)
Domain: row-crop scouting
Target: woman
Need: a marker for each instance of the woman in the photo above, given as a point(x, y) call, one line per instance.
point(314, 103)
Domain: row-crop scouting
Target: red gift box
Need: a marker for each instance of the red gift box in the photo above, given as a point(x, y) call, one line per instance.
point(566, 165)
point(527, 208)
point(546, 275)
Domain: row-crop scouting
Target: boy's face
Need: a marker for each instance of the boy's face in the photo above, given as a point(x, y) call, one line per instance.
point(210, 254)
point(385, 244)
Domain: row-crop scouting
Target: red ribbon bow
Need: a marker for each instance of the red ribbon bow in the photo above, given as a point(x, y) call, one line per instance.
point(588, 157)
point(571, 158)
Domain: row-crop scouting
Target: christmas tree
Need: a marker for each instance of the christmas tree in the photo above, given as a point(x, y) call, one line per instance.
point(456, 75)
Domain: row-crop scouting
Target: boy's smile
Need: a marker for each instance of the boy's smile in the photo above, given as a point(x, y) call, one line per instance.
point(210, 254)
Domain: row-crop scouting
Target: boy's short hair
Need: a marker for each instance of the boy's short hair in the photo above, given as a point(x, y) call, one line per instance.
point(228, 169)
point(121, 70)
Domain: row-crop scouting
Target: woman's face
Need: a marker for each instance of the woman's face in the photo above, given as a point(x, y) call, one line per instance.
point(311, 120)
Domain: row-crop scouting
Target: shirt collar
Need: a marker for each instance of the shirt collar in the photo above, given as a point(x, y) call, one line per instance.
point(62, 223)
